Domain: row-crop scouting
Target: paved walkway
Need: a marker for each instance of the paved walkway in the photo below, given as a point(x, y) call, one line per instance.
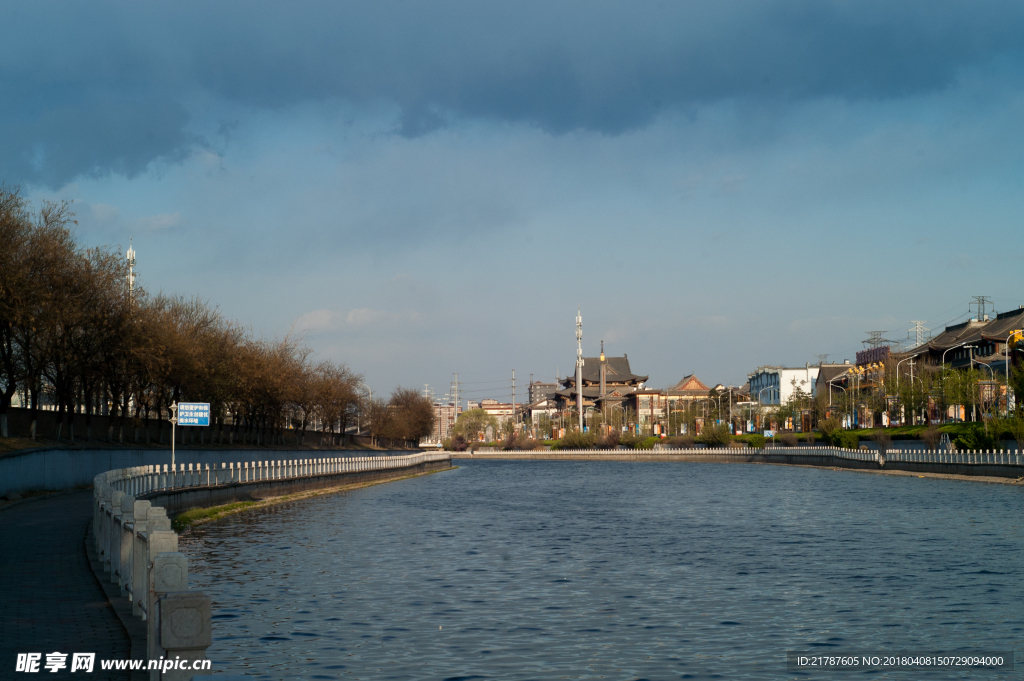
point(49, 598)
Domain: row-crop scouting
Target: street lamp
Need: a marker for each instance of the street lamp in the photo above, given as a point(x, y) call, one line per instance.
point(760, 404)
point(1015, 336)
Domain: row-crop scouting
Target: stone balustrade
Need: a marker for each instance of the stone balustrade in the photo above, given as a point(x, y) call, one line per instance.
point(139, 550)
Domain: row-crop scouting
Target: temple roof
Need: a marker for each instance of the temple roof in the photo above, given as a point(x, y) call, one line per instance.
point(971, 331)
point(689, 385)
point(617, 372)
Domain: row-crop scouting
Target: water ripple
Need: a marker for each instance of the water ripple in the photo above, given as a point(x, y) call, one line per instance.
point(586, 570)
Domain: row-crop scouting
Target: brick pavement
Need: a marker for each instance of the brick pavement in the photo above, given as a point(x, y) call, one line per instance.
point(49, 597)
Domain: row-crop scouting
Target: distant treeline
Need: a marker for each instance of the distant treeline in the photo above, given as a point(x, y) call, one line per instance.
point(70, 331)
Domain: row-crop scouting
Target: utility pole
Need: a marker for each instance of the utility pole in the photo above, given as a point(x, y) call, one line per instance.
point(579, 366)
point(513, 401)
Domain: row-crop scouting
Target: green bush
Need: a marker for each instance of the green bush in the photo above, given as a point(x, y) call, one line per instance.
point(716, 435)
point(976, 437)
point(756, 441)
point(845, 439)
point(576, 440)
point(648, 442)
point(630, 440)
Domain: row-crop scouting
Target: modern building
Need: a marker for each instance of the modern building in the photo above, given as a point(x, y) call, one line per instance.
point(445, 415)
point(502, 411)
point(541, 391)
point(779, 385)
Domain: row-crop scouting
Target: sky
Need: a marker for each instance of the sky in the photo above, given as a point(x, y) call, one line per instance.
point(424, 188)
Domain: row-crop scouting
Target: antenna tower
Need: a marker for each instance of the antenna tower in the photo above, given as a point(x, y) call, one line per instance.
point(920, 331)
point(130, 256)
point(579, 366)
point(875, 339)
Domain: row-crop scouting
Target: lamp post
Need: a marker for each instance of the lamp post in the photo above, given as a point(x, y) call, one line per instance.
point(174, 427)
point(1014, 336)
point(761, 404)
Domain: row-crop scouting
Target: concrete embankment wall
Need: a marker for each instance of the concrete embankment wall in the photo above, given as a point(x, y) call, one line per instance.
point(182, 499)
point(59, 469)
point(993, 464)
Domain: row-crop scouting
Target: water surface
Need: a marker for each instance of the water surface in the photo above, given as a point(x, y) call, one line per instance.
point(616, 570)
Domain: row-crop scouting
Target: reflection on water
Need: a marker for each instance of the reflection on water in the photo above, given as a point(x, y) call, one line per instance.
point(585, 570)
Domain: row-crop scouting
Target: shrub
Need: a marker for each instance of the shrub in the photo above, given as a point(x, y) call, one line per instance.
point(846, 439)
point(609, 440)
point(521, 442)
point(457, 444)
point(977, 437)
point(647, 442)
point(788, 439)
point(577, 440)
point(756, 441)
point(716, 435)
point(683, 441)
point(630, 440)
point(932, 435)
point(829, 427)
point(811, 437)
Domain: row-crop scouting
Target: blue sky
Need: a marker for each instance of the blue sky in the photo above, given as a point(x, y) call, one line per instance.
point(424, 188)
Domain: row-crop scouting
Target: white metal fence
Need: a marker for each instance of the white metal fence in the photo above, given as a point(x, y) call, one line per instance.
point(964, 457)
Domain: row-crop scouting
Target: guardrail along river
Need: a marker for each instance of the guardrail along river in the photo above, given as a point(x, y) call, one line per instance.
point(563, 569)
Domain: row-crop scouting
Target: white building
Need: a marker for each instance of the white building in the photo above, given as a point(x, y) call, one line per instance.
point(778, 385)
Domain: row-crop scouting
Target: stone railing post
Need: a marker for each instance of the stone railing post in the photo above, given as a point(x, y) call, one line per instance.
point(140, 513)
point(186, 632)
point(113, 534)
point(124, 569)
point(182, 619)
point(157, 541)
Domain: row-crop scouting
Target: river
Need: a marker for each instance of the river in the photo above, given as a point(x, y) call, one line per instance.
point(587, 570)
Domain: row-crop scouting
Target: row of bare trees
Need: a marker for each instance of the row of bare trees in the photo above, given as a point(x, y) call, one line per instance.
point(72, 336)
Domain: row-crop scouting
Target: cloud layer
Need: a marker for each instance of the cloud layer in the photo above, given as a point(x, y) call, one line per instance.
point(109, 87)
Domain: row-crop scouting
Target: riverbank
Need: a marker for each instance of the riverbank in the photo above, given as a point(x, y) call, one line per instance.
point(957, 465)
point(200, 516)
point(991, 479)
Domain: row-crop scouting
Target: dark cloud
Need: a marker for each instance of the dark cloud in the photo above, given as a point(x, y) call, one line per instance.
point(107, 87)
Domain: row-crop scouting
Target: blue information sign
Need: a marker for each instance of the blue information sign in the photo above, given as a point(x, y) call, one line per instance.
point(194, 414)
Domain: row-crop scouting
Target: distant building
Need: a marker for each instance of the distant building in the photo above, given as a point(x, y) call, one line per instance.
point(778, 385)
point(872, 355)
point(683, 393)
point(445, 416)
point(829, 376)
point(976, 341)
point(606, 382)
point(648, 405)
point(541, 391)
point(502, 411)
